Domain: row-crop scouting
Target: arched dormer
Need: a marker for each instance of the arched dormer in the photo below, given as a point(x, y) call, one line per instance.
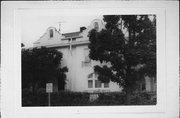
point(97, 24)
point(51, 32)
point(49, 38)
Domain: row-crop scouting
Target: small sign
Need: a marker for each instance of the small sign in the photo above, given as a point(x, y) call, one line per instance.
point(49, 88)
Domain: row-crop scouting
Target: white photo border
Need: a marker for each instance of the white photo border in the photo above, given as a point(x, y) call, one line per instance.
point(82, 8)
point(160, 15)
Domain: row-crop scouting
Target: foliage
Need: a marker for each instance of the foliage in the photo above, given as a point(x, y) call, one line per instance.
point(41, 65)
point(37, 98)
point(143, 98)
point(64, 98)
point(129, 56)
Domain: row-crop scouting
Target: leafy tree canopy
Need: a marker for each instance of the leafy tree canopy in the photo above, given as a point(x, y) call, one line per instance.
point(41, 65)
point(128, 44)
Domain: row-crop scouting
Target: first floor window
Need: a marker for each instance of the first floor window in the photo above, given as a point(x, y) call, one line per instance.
point(98, 84)
point(93, 81)
point(106, 85)
point(90, 83)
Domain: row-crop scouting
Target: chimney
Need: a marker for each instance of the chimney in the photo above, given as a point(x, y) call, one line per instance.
point(82, 28)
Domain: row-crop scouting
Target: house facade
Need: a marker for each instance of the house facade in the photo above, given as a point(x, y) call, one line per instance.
point(80, 75)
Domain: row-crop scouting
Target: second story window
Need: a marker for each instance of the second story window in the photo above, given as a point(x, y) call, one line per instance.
point(51, 33)
point(86, 55)
point(86, 61)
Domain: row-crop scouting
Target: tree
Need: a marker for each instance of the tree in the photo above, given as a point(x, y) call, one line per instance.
point(130, 58)
point(41, 65)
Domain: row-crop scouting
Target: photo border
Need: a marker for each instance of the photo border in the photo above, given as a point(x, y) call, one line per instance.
point(15, 88)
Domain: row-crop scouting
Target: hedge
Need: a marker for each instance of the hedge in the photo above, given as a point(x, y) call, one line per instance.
point(65, 98)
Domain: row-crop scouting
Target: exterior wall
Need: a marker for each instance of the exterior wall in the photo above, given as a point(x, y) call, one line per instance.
point(77, 76)
point(66, 61)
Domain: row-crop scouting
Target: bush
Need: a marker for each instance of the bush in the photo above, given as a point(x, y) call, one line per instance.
point(113, 98)
point(143, 98)
point(69, 99)
point(64, 98)
point(38, 98)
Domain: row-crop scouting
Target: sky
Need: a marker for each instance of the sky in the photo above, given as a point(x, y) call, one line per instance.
point(33, 27)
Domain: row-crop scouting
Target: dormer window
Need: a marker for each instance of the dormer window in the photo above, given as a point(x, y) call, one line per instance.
point(51, 33)
point(96, 26)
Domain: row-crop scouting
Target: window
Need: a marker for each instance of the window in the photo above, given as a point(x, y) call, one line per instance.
point(86, 55)
point(90, 83)
point(96, 26)
point(87, 61)
point(51, 33)
point(106, 85)
point(98, 84)
point(94, 83)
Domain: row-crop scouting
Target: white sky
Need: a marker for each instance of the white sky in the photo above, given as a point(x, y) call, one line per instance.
point(33, 27)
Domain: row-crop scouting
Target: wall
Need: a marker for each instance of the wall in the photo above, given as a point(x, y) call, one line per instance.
point(77, 76)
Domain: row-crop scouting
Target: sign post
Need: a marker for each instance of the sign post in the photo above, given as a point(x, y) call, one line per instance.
point(49, 90)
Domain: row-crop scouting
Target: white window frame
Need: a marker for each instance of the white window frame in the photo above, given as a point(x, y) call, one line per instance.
point(94, 78)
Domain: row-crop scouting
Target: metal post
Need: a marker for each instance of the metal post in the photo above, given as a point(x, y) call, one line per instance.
point(70, 46)
point(49, 99)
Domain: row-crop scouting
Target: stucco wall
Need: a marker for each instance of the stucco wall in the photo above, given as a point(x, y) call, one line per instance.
point(77, 76)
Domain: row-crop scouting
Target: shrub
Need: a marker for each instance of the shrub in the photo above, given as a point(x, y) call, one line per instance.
point(69, 99)
point(143, 98)
point(38, 98)
point(113, 98)
point(64, 98)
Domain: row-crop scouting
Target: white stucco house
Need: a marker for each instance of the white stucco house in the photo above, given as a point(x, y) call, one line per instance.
point(74, 46)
